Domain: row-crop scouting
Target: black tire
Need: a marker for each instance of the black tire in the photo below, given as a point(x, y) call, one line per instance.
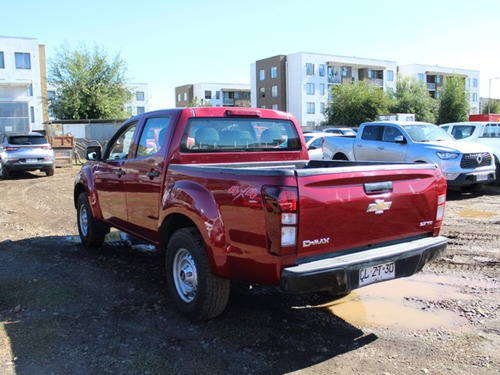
point(91, 232)
point(49, 172)
point(4, 172)
point(197, 293)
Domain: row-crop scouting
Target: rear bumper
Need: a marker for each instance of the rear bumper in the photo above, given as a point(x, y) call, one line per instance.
point(17, 166)
point(340, 275)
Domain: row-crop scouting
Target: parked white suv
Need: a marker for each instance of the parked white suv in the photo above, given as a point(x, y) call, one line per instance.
point(25, 152)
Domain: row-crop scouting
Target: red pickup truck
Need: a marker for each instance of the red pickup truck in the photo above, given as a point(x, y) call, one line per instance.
point(229, 194)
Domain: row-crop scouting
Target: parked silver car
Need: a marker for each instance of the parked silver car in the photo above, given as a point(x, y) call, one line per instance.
point(25, 152)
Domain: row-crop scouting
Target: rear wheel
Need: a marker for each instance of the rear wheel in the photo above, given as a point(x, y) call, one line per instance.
point(91, 232)
point(197, 293)
point(49, 172)
point(4, 172)
point(339, 157)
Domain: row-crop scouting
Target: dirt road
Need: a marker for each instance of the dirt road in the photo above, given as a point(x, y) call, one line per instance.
point(65, 309)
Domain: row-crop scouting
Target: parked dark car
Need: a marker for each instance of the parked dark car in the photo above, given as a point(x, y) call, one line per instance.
point(25, 152)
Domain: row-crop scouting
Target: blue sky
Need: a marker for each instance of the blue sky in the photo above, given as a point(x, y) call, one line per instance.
point(168, 43)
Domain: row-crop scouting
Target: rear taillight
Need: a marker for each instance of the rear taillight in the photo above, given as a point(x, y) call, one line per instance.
point(441, 203)
point(9, 148)
point(281, 212)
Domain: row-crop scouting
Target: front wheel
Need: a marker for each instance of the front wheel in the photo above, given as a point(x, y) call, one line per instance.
point(197, 293)
point(49, 172)
point(91, 232)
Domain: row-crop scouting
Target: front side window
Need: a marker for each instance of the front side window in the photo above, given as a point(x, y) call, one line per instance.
point(390, 134)
point(462, 131)
point(237, 134)
point(119, 147)
point(23, 60)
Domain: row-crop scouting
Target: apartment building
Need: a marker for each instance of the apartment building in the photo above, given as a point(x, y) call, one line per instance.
point(434, 77)
point(23, 83)
point(140, 99)
point(214, 94)
point(301, 83)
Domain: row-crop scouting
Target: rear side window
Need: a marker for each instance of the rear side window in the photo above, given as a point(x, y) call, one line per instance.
point(372, 133)
point(27, 140)
point(491, 131)
point(240, 134)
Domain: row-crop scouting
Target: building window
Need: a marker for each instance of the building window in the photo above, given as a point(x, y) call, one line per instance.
point(262, 92)
point(322, 108)
point(140, 110)
point(262, 74)
point(185, 96)
point(178, 98)
point(30, 89)
point(322, 89)
point(309, 69)
point(32, 114)
point(208, 94)
point(139, 96)
point(310, 88)
point(322, 70)
point(23, 60)
point(310, 124)
point(275, 107)
point(274, 72)
point(474, 96)
point(274, 91)
point(390, 75)
point(2, 61)
point(310, 108)
point(420, 77)
point(474, 82)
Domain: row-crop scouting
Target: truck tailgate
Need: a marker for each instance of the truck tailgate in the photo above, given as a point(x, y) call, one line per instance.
point(357, 207)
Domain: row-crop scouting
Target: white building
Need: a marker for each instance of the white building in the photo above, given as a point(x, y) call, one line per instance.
point(22, 84)
point(140, 99)
point(301, 83)
point(434, 77)
point(214, 94)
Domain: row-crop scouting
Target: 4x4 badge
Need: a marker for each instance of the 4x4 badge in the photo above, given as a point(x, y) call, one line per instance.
point(379, 206)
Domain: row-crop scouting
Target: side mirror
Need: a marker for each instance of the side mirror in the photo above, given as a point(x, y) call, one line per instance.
point(93, 153)
point(400, 139)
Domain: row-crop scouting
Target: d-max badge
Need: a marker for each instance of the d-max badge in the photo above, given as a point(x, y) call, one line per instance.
point(379, 206)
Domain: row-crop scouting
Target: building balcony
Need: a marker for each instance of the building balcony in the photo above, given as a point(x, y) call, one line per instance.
point(431, 86)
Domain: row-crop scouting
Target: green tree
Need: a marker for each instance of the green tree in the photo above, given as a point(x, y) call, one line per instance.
point(454, 101)
point(199, 103)
point(353, 104)
point(88, 84)
point(492, 107)
point(412, 96)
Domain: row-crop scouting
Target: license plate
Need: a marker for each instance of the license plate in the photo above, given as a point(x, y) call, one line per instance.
point(31, 160)
point(481, 177)
point(376, 273)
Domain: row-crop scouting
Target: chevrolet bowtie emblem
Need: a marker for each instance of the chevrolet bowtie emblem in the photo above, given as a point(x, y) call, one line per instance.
point(379, 206)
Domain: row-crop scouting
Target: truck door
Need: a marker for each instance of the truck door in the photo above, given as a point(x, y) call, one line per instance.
point(366, 148)
point(392, 146)
point(144, 176)
point(109, 176)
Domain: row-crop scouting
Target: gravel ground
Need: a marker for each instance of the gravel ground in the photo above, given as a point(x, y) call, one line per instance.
point(65, 309)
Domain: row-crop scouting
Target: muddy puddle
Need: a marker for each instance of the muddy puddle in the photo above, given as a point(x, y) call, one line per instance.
point(402, 304)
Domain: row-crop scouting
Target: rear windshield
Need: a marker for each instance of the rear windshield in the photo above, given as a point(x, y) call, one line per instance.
point(27, 140)
point(230, 134)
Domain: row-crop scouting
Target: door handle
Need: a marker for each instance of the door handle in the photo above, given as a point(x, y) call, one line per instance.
point(153, 174)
